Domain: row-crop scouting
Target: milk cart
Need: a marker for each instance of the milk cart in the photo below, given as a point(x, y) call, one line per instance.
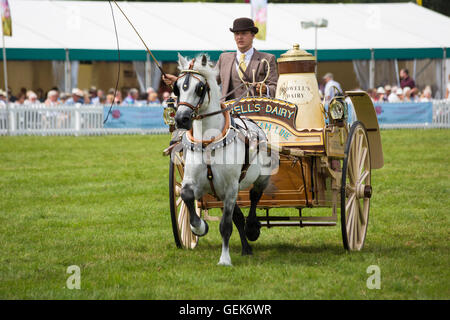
point(324, 161)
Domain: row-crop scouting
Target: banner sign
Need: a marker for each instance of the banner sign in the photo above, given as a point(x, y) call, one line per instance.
point(6, 18)
point(404, 113)
point(259, 16)
point(276, 109)
point(135, 117)
point(280, 111)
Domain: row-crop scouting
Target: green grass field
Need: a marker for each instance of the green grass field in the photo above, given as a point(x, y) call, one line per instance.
point(101, 203)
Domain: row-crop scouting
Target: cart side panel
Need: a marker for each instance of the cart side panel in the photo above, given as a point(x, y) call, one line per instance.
point(365, 112)
point(287, 189)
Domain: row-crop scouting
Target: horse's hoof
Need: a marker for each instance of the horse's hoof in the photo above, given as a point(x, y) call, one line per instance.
point(202, 231)
point(252, 234)
point(252, 230)
point(225, 263)
point(247, 251)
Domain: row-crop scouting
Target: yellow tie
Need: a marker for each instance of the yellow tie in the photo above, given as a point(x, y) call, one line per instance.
point(242, 65)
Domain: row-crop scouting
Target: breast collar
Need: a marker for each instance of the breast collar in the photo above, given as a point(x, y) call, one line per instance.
point(227, 136)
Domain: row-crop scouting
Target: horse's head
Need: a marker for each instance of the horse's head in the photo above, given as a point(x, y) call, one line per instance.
point(193, 89)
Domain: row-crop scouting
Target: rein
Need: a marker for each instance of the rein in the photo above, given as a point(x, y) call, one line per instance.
point(201, 116)
point(196, 116)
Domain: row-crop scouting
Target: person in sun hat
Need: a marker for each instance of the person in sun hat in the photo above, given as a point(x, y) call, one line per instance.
point(243, 63)
point(77, 97)
point(381, 95)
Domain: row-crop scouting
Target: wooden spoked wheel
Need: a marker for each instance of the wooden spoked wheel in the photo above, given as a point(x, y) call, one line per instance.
point(184, 238)
point(356, 189)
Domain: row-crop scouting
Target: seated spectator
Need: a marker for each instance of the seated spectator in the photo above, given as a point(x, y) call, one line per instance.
point(2, 98)
point(388, 90)
point(40, 95)
point(109, 98)
point(426, 95)
point(393, 97)
point(165, 96)
point(93, 98)
point(399, 94)
point(32, 98)
point(86, 97)
point(152, 99)
point(11, 97)
point(63, 97)
point(407, 95)
point(20, 99)
point(77, 97)
point(52, 98)
point(150, 90)
point(372, 92)
point(99, 98)
point(133, 96)
point(142, 100)
point(380, 95)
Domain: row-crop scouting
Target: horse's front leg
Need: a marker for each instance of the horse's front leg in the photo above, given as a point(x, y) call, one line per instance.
point(226, 226)
point(198, 226)
point(252, 225)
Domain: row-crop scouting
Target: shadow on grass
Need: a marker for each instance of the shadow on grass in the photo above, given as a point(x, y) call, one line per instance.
point(279, 253)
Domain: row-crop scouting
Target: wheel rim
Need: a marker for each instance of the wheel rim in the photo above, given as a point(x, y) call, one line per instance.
point(356, 192)
point(184, 238)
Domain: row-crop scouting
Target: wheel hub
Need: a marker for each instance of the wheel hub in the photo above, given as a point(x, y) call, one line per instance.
point(363, 191)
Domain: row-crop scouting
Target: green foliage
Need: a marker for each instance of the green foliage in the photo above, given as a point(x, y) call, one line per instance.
point(102, 203)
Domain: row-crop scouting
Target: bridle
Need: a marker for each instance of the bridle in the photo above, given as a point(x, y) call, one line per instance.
point(201, 89)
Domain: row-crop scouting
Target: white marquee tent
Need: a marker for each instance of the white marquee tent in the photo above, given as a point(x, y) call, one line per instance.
point(83, 30)
point(394, 30)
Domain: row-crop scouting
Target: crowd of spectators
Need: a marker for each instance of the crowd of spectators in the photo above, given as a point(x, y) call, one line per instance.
point(92, 96)
point(406, 92)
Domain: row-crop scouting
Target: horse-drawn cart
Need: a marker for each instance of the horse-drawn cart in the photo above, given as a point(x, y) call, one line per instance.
point(323, 161)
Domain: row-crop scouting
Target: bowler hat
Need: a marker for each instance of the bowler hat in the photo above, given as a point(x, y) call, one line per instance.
point(244, 24)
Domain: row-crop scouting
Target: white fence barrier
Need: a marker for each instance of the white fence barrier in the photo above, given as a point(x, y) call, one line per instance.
point(441, 114)
point(40, 119)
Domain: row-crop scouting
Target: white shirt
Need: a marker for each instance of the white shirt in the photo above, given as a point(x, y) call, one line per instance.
point(393, 98)
point(248, 57)
point(329, 90)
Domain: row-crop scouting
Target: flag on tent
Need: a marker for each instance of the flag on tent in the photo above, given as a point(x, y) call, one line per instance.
point(6, 18)
point(259, 16)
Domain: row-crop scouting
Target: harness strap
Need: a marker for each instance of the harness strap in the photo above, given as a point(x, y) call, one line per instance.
point(246, 164)
point(187, 104)
point(210, 177)
point(209, 174)
point(225, 128)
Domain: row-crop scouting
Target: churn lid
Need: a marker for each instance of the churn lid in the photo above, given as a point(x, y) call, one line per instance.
point(296, 54)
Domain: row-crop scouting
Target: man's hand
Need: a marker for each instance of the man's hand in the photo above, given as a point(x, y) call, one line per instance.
point(261, 87)
point(169, 79)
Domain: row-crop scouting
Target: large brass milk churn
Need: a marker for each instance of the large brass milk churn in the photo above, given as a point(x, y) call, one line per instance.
point(297, 83)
